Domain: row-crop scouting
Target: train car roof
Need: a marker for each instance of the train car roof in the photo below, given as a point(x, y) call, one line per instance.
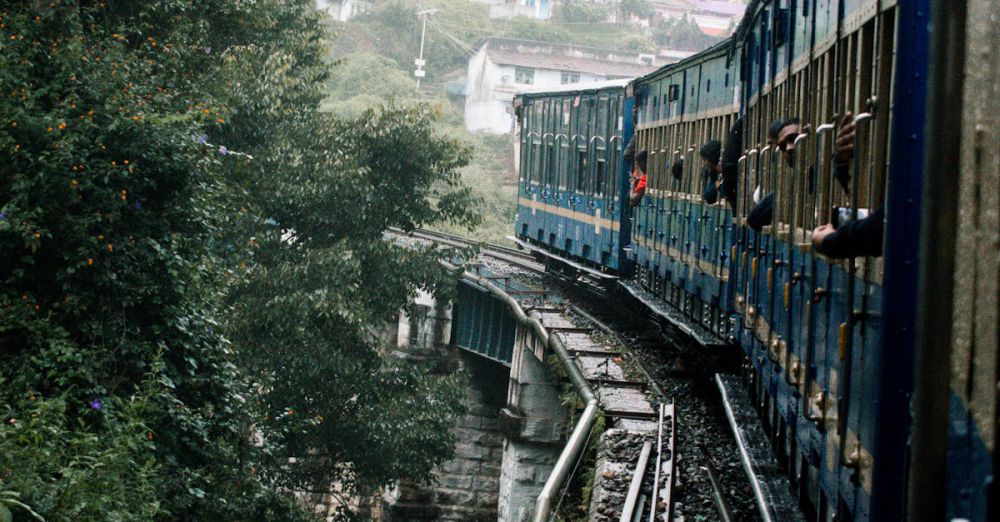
point(736, 38)
point(715, 51)
point(570, 88)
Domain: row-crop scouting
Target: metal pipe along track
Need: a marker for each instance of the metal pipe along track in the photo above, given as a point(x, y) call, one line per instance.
point(543, 505)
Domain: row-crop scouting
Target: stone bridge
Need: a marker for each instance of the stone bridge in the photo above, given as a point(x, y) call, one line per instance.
point(517, 426)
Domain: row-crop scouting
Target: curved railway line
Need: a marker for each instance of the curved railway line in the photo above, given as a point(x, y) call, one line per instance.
point(703, 476)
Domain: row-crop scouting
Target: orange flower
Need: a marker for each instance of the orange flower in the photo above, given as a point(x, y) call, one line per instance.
point(149, 435)
point(90, 261)
point(220, 120)
point(38, 235)
point(73, 183)
point(111, 247)
point(62, 126)
point(125, 162)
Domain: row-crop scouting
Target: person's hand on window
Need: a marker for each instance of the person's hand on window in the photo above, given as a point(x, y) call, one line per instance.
point(820, 233)
point(845, 140)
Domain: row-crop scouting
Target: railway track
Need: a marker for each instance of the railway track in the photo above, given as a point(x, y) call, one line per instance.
point(498, 252)
point(622, 369)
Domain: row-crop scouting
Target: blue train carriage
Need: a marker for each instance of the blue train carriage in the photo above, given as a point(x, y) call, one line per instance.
point(811, 325)
point(959, 374)
point(680, 243)
point(569, 158)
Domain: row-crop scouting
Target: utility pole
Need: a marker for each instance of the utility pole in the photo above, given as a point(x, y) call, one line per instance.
point(419, 62)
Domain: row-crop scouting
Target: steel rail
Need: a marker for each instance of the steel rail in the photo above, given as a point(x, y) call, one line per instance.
point(725, 513)
point(758, 493)
point(633, 489)
point(581, 431)
point(431, 234)
point(659, 463)
point(502, 253)
point(638, 364)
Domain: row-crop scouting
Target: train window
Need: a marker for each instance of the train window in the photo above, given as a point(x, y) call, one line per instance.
point(552, 164)
point(674, 91)
point(536, 158)
point(708, 85)
point(581, 168)
point(599, 178)
point(524, 75)
point(780, 33)
point(727, 80)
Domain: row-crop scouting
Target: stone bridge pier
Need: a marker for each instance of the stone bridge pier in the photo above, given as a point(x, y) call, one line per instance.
point(533, 424)
point(509, 439)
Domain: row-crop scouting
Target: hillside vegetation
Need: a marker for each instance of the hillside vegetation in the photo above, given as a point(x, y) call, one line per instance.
point(374, 55)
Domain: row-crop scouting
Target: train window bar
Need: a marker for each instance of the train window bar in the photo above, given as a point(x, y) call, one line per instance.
point(595, 152)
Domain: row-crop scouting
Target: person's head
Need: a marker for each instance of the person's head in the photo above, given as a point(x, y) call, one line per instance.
point(710, 154)
point(677, 169)
point(784, 139)
point(773, 130)
point(640, 160)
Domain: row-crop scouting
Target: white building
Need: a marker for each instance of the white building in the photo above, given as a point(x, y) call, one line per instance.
point(342, 10)
point(539, 9)
point(713, 17)
point(503, 67)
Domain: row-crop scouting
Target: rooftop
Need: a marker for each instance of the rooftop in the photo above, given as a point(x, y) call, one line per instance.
point(568, 63)
point(567, 57)
point(722, 7)
point(673, 4)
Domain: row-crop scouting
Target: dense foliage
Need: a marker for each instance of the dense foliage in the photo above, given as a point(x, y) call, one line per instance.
point(683, 34)
point(581, 13)
point(193, 256)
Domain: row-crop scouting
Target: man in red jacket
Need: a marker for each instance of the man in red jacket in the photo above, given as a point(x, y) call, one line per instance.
point(638, 180)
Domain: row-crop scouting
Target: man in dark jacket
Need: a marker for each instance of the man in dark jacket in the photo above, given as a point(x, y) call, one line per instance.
point(711, 169)
point(855, 239)
point(782, 134)
point(858, 238)
point(677, 169)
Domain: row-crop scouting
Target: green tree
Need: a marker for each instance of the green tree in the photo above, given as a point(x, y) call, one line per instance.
point(638, 8)
point(581, 13)
point(682, 34)
point(169, 188)
point(453, 34)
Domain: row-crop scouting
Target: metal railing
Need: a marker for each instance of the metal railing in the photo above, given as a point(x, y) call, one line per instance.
point(578, 439)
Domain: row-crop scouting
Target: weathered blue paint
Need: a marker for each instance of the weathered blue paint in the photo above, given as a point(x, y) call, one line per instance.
point(894, 371)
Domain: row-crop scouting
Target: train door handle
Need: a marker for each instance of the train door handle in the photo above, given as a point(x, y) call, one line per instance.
point(816, 402)
point(773, 348)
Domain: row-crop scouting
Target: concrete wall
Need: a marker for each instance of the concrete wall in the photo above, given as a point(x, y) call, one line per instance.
point(489, 101)
point(490, 94)
point(466, 487)
point(509, 439)
point(534, 424)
